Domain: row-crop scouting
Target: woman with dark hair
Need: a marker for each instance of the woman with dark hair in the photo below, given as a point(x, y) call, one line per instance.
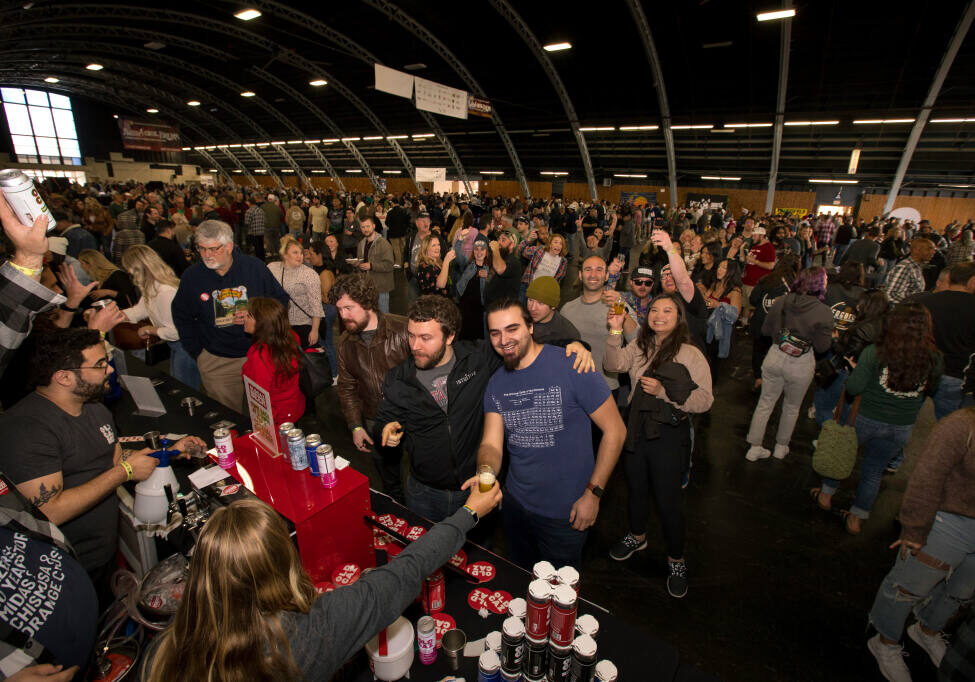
point(703, 273)
point(771, 287)
point(273, 361)
point(893, 377)
point(324, 258)
point(800, 325)
point(670, 379)
point(723, 299)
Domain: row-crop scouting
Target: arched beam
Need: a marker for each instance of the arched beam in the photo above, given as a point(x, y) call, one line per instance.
point(784, 49)
point(206, 155)
point(636, 9)
point(922, 117)
point(513, 18)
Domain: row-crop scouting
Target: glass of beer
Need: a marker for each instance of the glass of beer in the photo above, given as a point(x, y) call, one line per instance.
point(485, 477)
point(619, 307)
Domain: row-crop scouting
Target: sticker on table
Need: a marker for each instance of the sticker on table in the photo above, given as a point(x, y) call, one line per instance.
point(443, 623)
point(380, 540)
point(496, 602)
point(415, 532)
point(458, 560)
point(3, 487)
point(230, 489)
point(481, 570)
point(394, 523)
point(346, 575)
point(393, 549)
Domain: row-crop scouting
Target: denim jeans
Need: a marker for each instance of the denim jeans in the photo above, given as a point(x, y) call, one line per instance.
point(947, 398)
point(182, 366)
point(825, 399)
point(331, 312)
point(532, 538)
point(384, 302)
point(433, 503)
point(838, 252)
point(781, 374)
point(880, 443)
point(940, 593)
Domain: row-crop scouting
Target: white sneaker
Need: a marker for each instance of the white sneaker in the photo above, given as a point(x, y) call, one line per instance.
point(935, 644)
point(335, 380)
point(780, 451)
point(811, 412)
point(756, 452)
point(890, 659)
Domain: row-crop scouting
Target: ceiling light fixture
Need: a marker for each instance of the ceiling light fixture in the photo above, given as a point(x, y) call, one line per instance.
point(186, 149)
point(777, 14)
point(729, 178)
point(247, 14)
point(94, 67)
point(396, 137)
point(315, 170)
point(318, 82)
point(953, 120)
point(152, 111)
point(372, 137)
point(310, 141)
point(629, 175)
point(647, 127)
point(237, 170)
point(415, 67)
point(222, 146)
point(723, 130)
point(247, 93)
point(391, 172)
point(263, 144)
point(422, 136)
point(557, 47)
point(592, 129)
point(554, 172)
point(234, 146)
point(723, 43)
point(854, 160)
point(115, 116)
point(957, 186)
point(350, 139)
point(51, 79)
point(287, 170)
point(193, 103)
point(211, 170)
point(154, 45)
point(353, 170)
point(748, 125)
point(278, 143)
point(330, 140)
point(823, 181)
point(491, 172)
point(694, 127)
point(812, 123)
point(294, 141)
point(870, 121)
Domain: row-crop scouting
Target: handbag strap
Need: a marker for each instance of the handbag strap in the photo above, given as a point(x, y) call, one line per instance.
point(851, 420)
point(289, 295)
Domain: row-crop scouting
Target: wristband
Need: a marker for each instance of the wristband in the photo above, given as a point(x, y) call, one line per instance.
point(128, 470)
point(616, 332)
point(30, 272)
point(65, 307)
point(358, 428)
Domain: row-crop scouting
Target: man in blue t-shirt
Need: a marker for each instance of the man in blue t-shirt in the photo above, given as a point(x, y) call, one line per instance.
point(541, 409)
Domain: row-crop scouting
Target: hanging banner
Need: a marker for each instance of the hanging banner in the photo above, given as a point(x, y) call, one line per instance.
point(431, 174)
point(440, 99)
point(797, 212)
point(152, 137)
point(478, 107)
point(706, 201)
point(639, 199)
point(394, 82)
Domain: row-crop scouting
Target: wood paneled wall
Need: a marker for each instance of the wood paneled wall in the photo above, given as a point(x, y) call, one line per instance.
point(939, 210)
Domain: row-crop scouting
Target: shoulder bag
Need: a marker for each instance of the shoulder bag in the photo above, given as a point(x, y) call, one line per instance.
point(315, 372)
point(837, 446)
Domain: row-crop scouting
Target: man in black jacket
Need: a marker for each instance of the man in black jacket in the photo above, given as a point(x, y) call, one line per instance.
point(165, 245)
point(397, 227)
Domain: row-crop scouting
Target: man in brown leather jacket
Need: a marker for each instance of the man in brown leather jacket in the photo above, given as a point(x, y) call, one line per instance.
point(373, 343)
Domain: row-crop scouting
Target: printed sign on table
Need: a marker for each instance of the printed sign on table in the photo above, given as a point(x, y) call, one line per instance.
point(262, 419)
point(496, 602)
point(481, 570)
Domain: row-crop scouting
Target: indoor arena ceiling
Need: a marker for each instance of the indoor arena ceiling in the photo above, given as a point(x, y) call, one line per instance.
point(848, 61)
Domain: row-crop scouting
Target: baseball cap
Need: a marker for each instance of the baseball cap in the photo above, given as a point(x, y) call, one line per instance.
point(758, 230)
point(58, 245)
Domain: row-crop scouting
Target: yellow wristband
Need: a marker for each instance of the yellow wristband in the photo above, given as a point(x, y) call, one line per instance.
point(616, 332)
point(30, 272)
point(128, 470)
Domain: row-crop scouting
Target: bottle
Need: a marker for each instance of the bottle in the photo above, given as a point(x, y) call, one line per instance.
point(151, 504)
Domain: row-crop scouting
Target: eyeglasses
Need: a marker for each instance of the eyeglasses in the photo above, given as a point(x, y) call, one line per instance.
point(209, 249)
point(100, 365)
point(642, 282)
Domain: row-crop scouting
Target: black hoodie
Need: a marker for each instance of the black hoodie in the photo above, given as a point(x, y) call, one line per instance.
point(805, 316)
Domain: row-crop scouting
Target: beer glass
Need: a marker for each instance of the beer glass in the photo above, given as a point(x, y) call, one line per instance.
point(485, 477)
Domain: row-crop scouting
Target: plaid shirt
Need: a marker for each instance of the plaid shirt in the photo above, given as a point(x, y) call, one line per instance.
point(535, 254)
point(127, 220)
point(904, 279)
point(123, 240)
point(21, 299)
point(255, 220)
point(825, 233)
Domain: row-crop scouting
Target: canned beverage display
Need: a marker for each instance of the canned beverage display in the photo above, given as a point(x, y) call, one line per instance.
point(544, 570)
point(326, 465)
point(568, 576)
point(559, 660)
point(312, 441)
point(492, 642)
point(606, 671)
point(587, 625)
point(283, 438)
point(517, 608)
point(539, 599)
point(426, 639)
point(562, 621)
point(488, 667)
point(512, 644)
point(583, 666)
point(536, 658)
point(434, 593)
point(24, 199)
point(296, 450)
point(225, 448)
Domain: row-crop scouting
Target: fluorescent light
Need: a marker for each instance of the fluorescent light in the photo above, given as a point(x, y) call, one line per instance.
point(114, 115)
point(234, 146)
point(287, 170)
point(729, 178)
point(294, 141)
point(193, 103)
point(695, 127)
point(315, 170)
point(639, 127)
point(211, 170)
point(51, 79)
point(747, 125)
point(152, 111)
point(263, 144)
point(957, 186)
point(280, 142)
point(237, 170)
point(154, 45)
point(629, 175)
point(199, 148)
point(211, 147)
point(247, 93)
point(555, 173)
point(330, 140)
point(723, 43)
point(186, 149)
point(869, 121)
point(953, 120)
point(422, 136)
point(350, 139)
point(247, 14)
point(318, 82)
point(812, 123)
point(723, 130)
point(823, 181)
point(94, 67)
point(491, 172)
point(854, 161)
point(260, 170)
point(391, 172)
point(310, 141)
point(353, 170)
point(372, 137)
point(222, 146)
point(589, 129)
point(557, 47)
point(396, 137)
point(777, 14)
point(417, 66)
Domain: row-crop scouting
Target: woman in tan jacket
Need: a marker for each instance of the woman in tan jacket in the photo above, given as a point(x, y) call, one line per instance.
point(671, 380)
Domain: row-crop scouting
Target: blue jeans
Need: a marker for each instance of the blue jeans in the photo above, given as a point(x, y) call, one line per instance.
point(182, 366)
point(532, 538)
point(432, 503)
point(331, 312)
point(825, 399)
point(942, 591)
point(947, 398)
point(384, 302)
point(838, 252)
point(880, 443)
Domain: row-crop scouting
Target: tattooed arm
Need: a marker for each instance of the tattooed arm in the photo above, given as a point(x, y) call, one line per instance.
point(60, 505)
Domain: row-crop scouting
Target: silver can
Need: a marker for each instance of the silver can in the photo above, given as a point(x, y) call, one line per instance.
point(296, 450)
point(24, 199)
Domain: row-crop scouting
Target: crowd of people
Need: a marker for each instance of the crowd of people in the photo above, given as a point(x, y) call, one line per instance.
point(539, 336)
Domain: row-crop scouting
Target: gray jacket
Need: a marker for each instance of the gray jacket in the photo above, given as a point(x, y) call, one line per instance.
point(380, 261)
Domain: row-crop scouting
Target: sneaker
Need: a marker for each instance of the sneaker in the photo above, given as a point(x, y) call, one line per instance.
point(756, 452)
point(890, 470)
point(811, 412)
point(890, 659)
point(335, 380)
point(780, 451)
point(935, 644)
point(624, 549)
point(677, 580)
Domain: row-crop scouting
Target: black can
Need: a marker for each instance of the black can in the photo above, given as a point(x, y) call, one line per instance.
point(512, 644)
point(583, 665)
point(536, 657)
point(559, 662)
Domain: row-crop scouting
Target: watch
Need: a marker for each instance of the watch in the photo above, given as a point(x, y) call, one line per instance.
point(594, 489)
point(473, 514)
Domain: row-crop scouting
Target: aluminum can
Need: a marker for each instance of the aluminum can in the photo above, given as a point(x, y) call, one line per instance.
point(225, 448)
point(296, 450)
point(543, 570)
point(283, 438)
point(512, 645)
point(488, 667)
point(583, 667)
point(587, 625)
point(562, 621)
point(539, 599)
point(326, 465)
point(567, 575)
point(517, 607)
point(536, 658)
point(312, 441)
point(426, 639)
point(24, 199)
point(434, 593)
point(492, 642)
point(510, 677)
point(606, 671)
point(559, 661)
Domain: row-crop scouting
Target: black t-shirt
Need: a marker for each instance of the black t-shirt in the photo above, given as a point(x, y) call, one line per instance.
point(128, 294)
point(842, 302)
point(506, 284)
point(763, 296)
point(697, 319)
point(46, 595)
point(39, 439)
point(953, 319)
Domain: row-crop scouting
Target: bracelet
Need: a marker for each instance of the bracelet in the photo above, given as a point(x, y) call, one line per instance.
point(616, 332)
point(128, 470)
point(358, 428)
point(65, 307)
point(30, 272)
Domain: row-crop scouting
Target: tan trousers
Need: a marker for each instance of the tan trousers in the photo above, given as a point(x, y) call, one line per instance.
point(222, 379)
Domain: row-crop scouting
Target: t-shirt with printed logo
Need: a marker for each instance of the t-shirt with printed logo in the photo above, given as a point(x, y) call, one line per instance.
point(435, 380)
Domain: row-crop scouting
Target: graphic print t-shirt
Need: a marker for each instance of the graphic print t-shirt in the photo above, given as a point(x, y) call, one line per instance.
point(435, 380)
point(226, 302)
point(546, 408)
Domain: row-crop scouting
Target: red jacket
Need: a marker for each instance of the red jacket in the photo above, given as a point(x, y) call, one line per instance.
point(287, 400)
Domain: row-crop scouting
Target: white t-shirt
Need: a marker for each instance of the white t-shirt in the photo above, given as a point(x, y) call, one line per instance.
point(548, 266)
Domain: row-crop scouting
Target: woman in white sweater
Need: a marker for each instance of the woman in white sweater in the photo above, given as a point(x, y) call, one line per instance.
point(304, 289)
point(158, 284)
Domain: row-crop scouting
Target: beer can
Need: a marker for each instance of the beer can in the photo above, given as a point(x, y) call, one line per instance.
point(24, 199)
point(512, 644)
point(426, 639)
point(492, 642)
point(583, 666)
point(225, 448)
point(539, 599)
point(488, 667)
point(326, 465)
point(312, 441)
point(517, 608)
point(434, 593)
point(536, 658)
point(511, 676)
point(562, 621)
point(543, 570)
point(296, 449)
point(606, 671)
point(587, 625)
point(559, 661)
point(283, 438)
point(567, 575)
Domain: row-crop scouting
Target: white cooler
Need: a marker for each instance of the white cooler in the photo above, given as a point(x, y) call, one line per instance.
point(391, 651)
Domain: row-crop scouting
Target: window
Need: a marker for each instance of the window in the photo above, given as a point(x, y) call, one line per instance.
point(41, 126)
point(74, 176)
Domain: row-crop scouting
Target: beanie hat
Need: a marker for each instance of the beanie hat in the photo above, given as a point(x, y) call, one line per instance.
point(545, 290)
point(58, 245)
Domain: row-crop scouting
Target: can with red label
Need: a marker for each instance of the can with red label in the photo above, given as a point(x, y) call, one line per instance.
point(434, 593)
point(568, 576)
point(544, 570)
point(326, 465)
point(539, 599)
point(426, 639)
point(559, 660)
point(583, 666)
point(562, 621)
point(225, 448)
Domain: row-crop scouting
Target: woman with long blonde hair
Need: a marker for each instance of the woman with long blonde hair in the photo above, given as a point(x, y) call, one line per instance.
point(158, 284)
point(113, 282)
point(546, 257)
point(433, 266)
point(250, 612)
